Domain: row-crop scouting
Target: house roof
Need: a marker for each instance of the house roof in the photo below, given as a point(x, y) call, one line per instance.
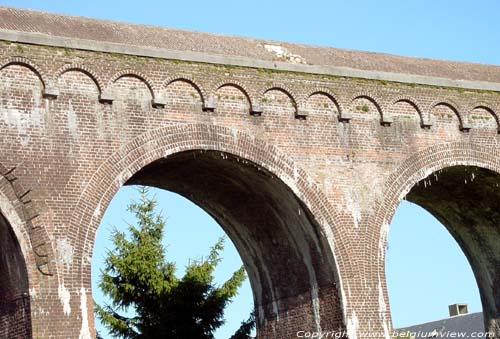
point(87, 29)
point(466, 323)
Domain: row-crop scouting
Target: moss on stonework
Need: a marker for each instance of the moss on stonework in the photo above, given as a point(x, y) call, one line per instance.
point(481, 117)
point(19, 49)
point(231, 67)
point(143, 60)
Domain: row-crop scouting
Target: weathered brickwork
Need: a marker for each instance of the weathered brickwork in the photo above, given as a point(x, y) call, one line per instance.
point(303, 171)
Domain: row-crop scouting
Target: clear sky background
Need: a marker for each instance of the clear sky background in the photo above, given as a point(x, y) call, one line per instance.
point(189, 233)
point(426, 270)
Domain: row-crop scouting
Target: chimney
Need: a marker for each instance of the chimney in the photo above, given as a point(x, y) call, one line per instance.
point(458, 309)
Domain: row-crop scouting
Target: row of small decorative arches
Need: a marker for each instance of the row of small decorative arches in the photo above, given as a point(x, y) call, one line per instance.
point(254, 97)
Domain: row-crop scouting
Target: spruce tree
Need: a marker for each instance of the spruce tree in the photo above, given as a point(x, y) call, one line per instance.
point(137, 277)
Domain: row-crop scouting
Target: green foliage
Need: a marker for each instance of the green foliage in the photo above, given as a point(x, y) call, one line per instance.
point(19, 49)
point(136, 276)
point(246, 327)
point(363, 108)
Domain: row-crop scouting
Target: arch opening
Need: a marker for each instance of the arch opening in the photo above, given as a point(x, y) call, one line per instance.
point(285, 255)
point(466, 200)
point(188, 235)
point(15, 310)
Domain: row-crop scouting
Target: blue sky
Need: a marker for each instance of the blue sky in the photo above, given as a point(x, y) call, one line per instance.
point(189, 233)
point(426, 269)
point(444, 29)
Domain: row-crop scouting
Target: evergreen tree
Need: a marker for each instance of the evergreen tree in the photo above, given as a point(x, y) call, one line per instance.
point(137, 277)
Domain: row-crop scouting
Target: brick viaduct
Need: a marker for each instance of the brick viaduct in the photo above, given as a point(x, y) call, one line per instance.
point(301, 153)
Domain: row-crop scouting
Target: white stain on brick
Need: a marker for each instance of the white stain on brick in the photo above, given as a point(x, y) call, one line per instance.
point(64, 297)
point(362, 196)
point(97, 211)
point(352, 326)
point(234, 133)
point(64, 251)
point(382, 310)
point(72, 125)
point(274, 296)
point(84, 331)
point(18, 120)
point(99, 115)
point(284, 54)
point(384, 231)
point(276, 310)
point(316, 311)
point(123, 177)
point(36, 114)
point(351, 203)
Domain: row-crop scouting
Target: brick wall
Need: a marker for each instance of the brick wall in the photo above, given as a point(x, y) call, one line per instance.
point(77, 125)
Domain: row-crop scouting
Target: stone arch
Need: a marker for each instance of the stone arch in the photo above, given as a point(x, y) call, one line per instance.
point(82, 69)
point(368, 96)
point(455, 108)
point(285, 90)
point(176, 142)
point(25, 260)
point(201, 91)
point(434, 167)
point(487, 109)
point(321, 106)
point(237, 85)
point(28, 64)
point(28, 100)
point(282, 88)
point(233, 83)
point(22, 214)
point(413, 103)
point(329, 94)
point(133, 74)
point(385, 116)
